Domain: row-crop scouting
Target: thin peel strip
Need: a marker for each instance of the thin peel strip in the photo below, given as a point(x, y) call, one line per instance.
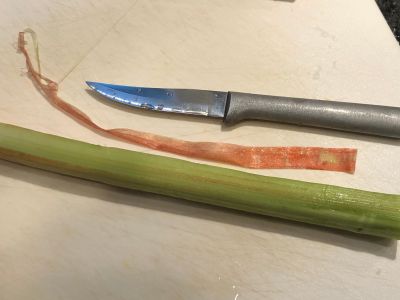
point(317, 158)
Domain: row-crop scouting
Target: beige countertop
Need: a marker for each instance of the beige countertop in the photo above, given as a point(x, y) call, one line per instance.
point(65, 238)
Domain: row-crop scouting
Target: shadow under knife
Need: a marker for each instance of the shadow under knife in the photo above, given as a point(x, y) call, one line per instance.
point(256, 124)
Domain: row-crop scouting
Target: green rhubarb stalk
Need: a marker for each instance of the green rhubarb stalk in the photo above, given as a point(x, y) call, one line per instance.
point(326, 205)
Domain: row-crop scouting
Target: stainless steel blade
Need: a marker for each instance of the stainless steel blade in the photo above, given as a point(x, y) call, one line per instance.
point(185, 101)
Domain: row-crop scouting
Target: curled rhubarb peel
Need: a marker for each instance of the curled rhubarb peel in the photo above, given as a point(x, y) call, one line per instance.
point(317, 158)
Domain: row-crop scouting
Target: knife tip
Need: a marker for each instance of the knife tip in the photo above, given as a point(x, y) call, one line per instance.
point(91, 84)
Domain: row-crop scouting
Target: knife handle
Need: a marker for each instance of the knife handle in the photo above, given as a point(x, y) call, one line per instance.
point(353, 117)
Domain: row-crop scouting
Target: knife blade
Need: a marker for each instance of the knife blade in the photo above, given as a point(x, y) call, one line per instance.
point(234, 107)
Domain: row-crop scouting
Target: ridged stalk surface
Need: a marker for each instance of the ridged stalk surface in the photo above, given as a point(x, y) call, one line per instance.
point(326, 205)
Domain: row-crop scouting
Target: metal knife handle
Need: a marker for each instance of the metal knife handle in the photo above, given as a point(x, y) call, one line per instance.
point(353, 117)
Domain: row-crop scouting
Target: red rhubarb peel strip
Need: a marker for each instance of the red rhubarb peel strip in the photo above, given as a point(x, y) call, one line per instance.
point(317, 158)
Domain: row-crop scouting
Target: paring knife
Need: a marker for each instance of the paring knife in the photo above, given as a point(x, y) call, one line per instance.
point(234, 107)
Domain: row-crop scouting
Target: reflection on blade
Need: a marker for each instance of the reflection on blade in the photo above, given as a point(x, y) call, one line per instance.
point(195, 102)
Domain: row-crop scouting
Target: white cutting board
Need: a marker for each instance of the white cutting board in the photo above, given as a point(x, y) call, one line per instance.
point(65, 238)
